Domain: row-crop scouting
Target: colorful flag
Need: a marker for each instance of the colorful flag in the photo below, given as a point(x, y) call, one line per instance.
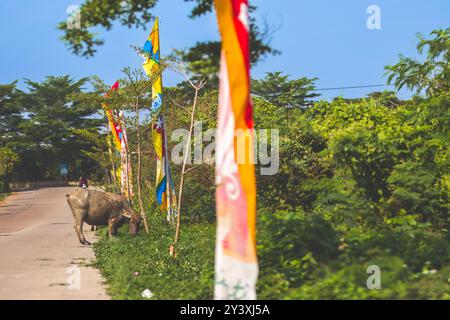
point(152, 65)
point(113, 121)
point(158, 145)
point(117, 126)
point(236, 268)
point(125, 161)
point(165, 192)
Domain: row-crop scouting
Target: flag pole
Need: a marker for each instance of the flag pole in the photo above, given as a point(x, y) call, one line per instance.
point(166, 166)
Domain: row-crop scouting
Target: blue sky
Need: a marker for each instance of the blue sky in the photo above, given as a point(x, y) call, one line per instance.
point(318, 38)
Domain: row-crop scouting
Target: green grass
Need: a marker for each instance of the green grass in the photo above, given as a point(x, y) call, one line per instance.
point(3, 196)
point(188, 276)
point(294, 263)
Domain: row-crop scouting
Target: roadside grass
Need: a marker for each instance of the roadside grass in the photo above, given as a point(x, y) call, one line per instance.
point(131, 265)
point(288, 267)
point(3, 196)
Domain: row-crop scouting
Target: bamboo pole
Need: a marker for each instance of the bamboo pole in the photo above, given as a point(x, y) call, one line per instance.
point(187, 152)
point(141, 206)
point(167, 169)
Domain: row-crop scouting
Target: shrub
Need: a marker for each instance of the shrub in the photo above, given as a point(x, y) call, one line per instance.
point(188, 276)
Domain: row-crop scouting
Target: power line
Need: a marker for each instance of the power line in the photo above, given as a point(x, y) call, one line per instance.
point(354, 87)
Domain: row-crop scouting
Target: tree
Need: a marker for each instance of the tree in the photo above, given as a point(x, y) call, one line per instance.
point(100, 151)
point(46, 137)
point(300, 158)
point(11, 109)
point(279, 90)
point(282, 92)
point(8, 159)
point(432, 75)
point(10, 113)
point(130, 13)
point(197, 87)
point(386, 98)
point(136, 98)
point(202, 57)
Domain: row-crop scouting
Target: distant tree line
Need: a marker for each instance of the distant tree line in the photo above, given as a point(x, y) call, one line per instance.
point(37, 130)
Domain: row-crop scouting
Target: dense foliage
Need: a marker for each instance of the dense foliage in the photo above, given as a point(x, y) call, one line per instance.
point(432, 75)
point(38, 126)
point(131, 265)
point(359, 185)
point(371, 189)
point(8, 159)
point(361, 182)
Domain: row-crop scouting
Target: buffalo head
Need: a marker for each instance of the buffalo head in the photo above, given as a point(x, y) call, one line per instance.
point(134, 222)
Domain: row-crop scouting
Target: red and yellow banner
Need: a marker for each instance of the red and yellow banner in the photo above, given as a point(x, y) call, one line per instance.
point(236, 268)
point(119, 133)
point(125, 162)
point(114, 123)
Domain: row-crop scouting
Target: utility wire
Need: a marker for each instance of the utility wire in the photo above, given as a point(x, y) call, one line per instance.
point(354, 87)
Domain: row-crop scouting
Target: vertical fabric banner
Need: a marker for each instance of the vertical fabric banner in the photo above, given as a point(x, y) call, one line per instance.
point(171, 199)
point(152, 65)
point(236, 265)
point(117, 126)
point(165, 192)
point(158, 145)
point(114, 124)
point(126, 171)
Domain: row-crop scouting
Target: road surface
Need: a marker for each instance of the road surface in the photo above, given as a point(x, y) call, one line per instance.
point(40, 255)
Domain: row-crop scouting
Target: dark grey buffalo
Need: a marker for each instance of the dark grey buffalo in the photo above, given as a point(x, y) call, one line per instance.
point(99, 208)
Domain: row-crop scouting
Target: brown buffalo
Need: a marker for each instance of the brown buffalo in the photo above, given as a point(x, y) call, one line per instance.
point(100, 208)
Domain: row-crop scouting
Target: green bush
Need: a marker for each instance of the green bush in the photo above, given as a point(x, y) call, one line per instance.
point(188, 276)
point(350, 282)
point(8, 159)
point(359, 183)
point(292, 246)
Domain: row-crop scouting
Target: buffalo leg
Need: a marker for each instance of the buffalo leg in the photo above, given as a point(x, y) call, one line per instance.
point(113, 224)
point(79, 228)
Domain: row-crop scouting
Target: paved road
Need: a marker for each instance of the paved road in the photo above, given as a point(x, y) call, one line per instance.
point(37, 246)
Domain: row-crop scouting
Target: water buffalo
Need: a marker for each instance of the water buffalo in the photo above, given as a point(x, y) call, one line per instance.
point(101, 208)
